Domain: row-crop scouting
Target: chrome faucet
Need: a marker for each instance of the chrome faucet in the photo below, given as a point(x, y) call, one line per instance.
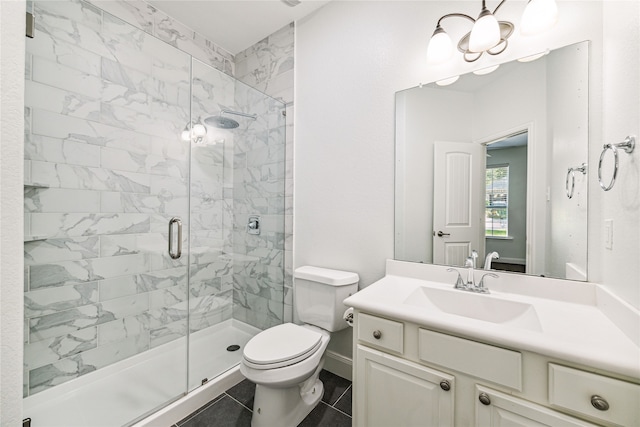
point(459, 282)
point(470, 284)
point(481, 286)
point(471, 266)
point(487, 260)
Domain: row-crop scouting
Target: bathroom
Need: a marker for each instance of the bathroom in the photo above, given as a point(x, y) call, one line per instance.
point(350, 60)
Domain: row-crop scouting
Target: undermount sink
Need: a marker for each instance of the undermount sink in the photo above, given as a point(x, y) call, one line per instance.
point(476, 306)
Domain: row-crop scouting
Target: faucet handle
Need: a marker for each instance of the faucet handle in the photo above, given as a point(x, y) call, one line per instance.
point(481, 287)
point(459, 283)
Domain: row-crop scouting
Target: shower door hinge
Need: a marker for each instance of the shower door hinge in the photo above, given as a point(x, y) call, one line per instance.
point(31, 25)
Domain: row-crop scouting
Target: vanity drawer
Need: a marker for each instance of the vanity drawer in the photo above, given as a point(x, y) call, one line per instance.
point(381, 332)
point(575, 390)
point(484, 361)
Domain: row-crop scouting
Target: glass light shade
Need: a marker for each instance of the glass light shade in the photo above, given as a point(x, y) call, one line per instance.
point(447, 82)
point(531, 58)
point(483, 71)
point(440, 47)
point(185, 136)
point(538, 16)
point(485, 33)
point(199, 130)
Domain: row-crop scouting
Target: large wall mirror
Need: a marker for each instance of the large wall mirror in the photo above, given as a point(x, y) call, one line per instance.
point(496, 163)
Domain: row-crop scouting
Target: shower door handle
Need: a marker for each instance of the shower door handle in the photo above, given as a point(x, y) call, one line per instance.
point(173, 223)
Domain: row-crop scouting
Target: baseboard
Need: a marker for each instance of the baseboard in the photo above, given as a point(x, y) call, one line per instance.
point(502, 260)
point(194, 400)
point(338, 364)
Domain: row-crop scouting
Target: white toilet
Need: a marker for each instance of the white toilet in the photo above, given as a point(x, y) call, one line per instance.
point(284, 361)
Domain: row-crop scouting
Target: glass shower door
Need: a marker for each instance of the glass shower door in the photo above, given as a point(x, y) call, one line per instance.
point(237, 220)
point(106, 169)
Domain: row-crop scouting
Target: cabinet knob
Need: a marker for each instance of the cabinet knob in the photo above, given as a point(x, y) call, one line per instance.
point(444, 384)
point(599, 403)
point(484, 399)
point(377, 334)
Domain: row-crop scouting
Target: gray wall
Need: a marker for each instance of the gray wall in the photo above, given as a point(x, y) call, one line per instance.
point(515, 247)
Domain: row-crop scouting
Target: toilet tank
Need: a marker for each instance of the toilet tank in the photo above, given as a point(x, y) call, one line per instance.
point(319, 295)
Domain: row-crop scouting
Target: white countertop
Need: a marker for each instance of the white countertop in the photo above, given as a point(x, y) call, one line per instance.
point(597, 330)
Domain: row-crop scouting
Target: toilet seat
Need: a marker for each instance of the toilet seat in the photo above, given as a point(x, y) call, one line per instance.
point(281, 345)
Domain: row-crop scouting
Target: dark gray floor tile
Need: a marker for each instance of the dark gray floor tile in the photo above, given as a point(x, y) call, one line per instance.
point(324, 415)
point(197, 411)
point(344, 403)
point(226, 412)
point(243, 392)
point(334, 386)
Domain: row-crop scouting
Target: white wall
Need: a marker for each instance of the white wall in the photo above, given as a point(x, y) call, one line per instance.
point(347, 73)
point(12, 29)
point(568, 111)
point(618, 268)
point(429, 115)
point(351, 57)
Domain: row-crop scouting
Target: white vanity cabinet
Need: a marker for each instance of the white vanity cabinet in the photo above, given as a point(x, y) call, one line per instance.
point(408, 375)
point(495, 409)
point(392, 391)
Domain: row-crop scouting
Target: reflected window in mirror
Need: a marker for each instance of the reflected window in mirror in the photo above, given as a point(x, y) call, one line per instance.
point(497, 201)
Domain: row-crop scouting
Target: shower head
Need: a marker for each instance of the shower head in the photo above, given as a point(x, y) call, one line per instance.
point(226, 123)
point(221, 122)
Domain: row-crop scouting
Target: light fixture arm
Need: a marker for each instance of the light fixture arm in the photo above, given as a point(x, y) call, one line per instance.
point(459, 15)
point(462, 15)
point(498, 6)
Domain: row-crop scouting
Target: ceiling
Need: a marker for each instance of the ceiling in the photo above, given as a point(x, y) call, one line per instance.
point(236, 24)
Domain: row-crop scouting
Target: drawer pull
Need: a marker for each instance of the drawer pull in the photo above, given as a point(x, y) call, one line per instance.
point(445, 385)
point(377, 334)
point(599, 403)
point(484, 399)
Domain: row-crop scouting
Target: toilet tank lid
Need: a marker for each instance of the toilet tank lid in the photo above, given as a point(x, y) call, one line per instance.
point(326, 275)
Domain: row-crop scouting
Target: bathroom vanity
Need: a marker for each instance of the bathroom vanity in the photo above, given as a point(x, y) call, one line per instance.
point(532, 352)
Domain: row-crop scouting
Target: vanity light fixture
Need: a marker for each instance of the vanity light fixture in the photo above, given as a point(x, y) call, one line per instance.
point(487, 33)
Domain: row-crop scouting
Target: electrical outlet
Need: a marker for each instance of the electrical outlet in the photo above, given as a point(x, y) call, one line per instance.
point(608, 234)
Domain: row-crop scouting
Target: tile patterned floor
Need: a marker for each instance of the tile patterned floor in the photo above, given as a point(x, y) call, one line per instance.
point(233, 408)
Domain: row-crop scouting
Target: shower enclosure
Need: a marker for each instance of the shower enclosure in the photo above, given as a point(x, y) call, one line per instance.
point(154, 232)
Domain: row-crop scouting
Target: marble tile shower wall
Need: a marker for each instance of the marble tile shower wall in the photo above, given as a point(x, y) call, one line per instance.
point(211, 270)
point(269, 66)
point(259, 189)
point(105, 106)
point(155, 22)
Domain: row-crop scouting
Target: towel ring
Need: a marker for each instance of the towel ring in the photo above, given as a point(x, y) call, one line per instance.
point(627, 145)
point(571, 173)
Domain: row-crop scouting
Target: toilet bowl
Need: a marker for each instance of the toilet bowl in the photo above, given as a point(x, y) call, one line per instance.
point(285, 361)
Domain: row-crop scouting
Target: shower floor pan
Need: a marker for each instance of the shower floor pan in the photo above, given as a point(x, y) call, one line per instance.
point(128, 390)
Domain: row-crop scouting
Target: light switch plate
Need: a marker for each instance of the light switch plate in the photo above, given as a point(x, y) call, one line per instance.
point(608, 234)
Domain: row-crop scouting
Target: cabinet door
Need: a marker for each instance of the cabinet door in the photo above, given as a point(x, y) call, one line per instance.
point(390, 391)
point(502, 410)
